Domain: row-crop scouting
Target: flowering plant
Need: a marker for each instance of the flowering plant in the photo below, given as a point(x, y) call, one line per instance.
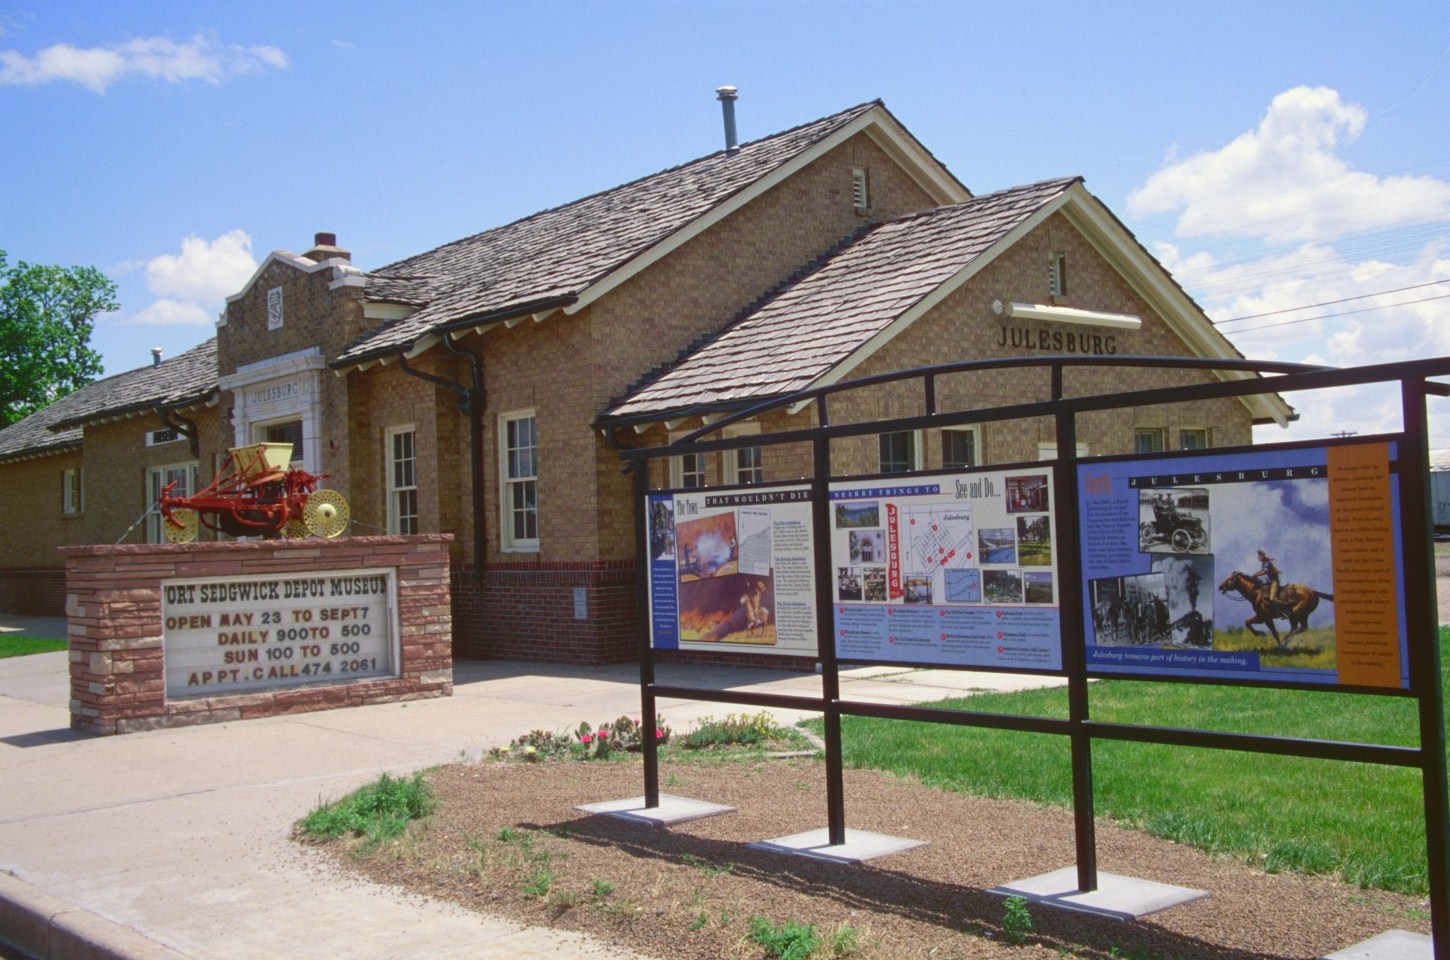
point(583, 743)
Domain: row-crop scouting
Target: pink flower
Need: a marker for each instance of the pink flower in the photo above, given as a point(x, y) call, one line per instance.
point(659, 734)
point(603, 733)
point(585, 739)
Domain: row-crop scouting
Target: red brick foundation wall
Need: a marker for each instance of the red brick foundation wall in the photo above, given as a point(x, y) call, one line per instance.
point(526, 611)
point(33, 592)
point(117, 661)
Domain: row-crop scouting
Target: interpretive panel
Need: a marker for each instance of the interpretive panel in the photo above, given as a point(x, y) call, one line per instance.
point(732, 570)
point(1272, 566)
point(249, 633)
point(954, 570)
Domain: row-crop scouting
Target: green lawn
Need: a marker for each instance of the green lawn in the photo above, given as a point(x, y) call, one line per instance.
point(16, 645)
point(1363, 821)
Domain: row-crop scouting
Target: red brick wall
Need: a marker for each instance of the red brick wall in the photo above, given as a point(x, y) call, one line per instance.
point(526, 611)
point(117, 658)
point(33, 592)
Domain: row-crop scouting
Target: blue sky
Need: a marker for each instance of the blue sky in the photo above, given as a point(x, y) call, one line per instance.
point(1272, 155)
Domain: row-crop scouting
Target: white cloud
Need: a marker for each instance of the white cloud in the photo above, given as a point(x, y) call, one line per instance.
point(192, 285)
point(204, 270)
point(156, 58)
point(174, 313)
point(1284, 182)
point(1339, 267)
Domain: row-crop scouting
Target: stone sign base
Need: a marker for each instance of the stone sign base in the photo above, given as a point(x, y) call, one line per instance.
point(117, 651)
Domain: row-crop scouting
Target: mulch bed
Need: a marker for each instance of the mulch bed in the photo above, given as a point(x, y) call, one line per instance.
point(688, 892)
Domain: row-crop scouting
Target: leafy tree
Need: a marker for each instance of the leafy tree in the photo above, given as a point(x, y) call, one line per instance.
point(46, 317)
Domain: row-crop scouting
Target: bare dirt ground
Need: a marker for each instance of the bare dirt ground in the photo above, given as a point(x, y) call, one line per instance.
point(506, 840)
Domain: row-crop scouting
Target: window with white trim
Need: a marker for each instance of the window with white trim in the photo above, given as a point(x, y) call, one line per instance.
point(743, 465)
point(898, 452)
point(402, 469)
point(519, 480)
point(71, 503)
point(184, 475)
point(1149, 439)
point(1196, 438)
point(961, 447)
point(687, 471)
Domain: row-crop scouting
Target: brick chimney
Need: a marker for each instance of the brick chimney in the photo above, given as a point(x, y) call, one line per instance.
point(324, 247)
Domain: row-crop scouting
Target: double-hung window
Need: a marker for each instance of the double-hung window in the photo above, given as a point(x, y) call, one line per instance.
point(71, 503)
point(519, 480)
point(743, 464)
point(687, 471)
point(960, 447)
point(898, 452)
point(1149, 440)
point(184, 475)
point(1193, 439)
point(402, 467)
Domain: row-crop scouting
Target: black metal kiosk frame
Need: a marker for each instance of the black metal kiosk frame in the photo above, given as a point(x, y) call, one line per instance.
point(1244, 378)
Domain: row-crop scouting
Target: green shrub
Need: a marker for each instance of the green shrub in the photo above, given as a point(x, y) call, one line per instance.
point(788, 941)
point(378, 812)
point(736, 729)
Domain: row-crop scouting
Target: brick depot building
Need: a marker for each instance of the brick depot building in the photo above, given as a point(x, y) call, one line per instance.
point(482, 388)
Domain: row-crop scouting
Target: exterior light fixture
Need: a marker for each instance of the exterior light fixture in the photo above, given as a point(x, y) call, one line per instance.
point(1043, 311)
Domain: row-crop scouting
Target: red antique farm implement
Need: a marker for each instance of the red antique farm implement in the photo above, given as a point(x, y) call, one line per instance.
point(256, 494)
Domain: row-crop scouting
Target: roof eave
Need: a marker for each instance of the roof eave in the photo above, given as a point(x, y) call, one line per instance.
point(1116, 243)
point(126, 411)
point(452, 328)
point(42, 450)
point(663, 415)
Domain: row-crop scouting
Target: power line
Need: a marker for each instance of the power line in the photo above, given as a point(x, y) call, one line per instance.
point(1343, 313)
point(1330, 303)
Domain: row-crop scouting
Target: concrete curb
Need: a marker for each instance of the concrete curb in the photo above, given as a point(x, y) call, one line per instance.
point(48, 928)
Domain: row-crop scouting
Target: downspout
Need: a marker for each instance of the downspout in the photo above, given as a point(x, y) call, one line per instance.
point(182, 425)
point(471, 401)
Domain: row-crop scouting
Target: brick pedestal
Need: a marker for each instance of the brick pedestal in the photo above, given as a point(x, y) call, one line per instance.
point(117, 659)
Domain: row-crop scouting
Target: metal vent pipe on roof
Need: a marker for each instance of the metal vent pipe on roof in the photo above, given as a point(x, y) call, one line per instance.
point(155, 356)
point(727, 96)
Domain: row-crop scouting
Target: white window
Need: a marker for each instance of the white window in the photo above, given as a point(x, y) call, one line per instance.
point(71, 503)
point(1193, 439)
point(1149, 439)
point(860, 188)
point(402, 468)
point(899, 452)
point(687, 471)
point(961, 447)
point(184, 475)
point(519, 480)
point(1057, 274)
point(743, 465)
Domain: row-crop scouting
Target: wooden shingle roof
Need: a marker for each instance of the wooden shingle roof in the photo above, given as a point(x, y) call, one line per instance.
point(551, 258)
point(814, 324)
point(188, 378)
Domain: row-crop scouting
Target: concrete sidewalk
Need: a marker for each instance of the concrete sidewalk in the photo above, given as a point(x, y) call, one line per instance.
point(174, 843)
